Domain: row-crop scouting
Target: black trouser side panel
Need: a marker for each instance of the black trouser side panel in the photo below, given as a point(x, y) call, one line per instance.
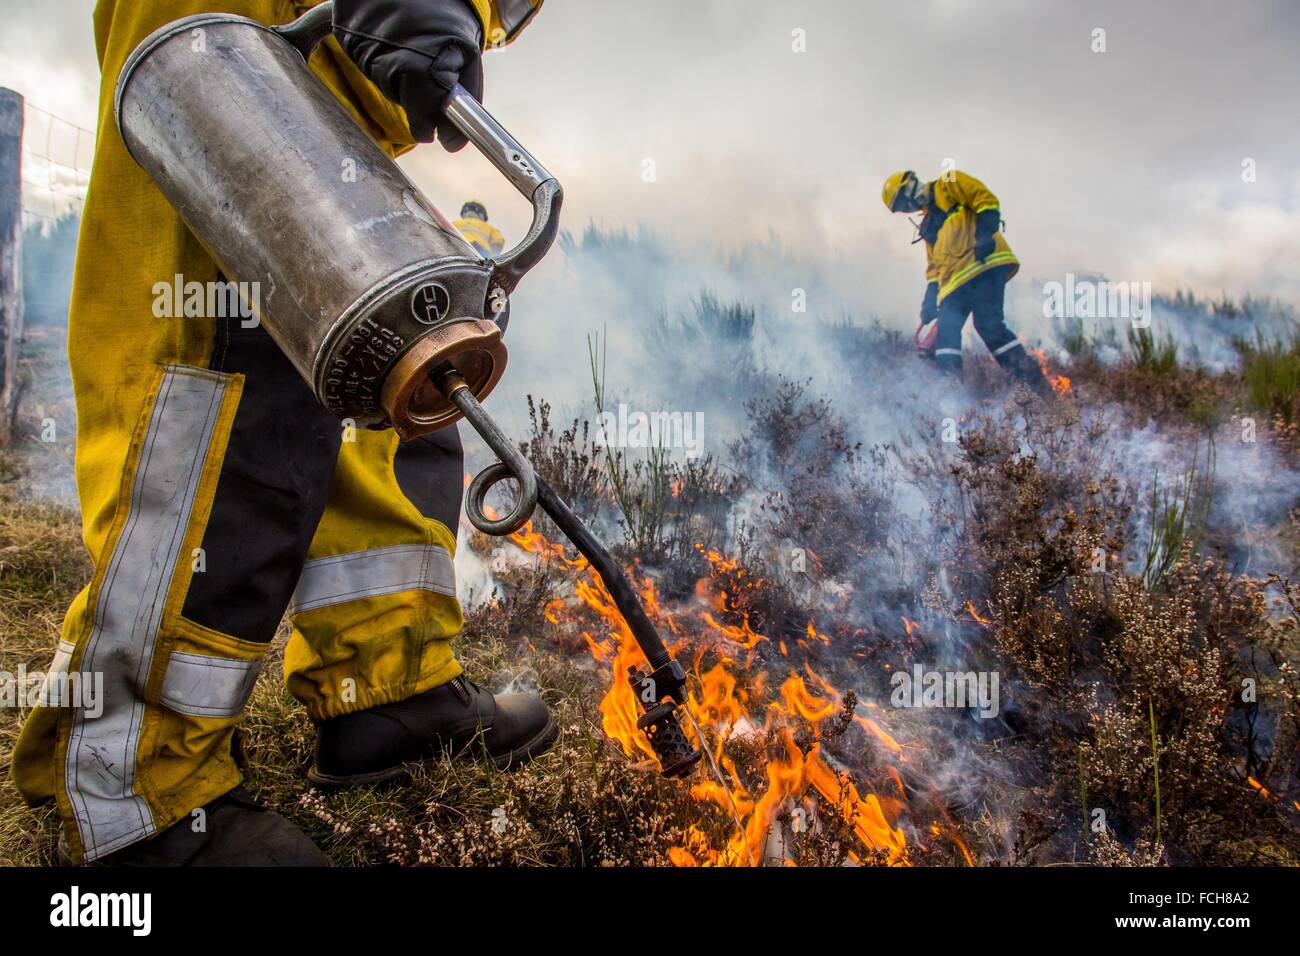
point(431, 473)
point(274, 482)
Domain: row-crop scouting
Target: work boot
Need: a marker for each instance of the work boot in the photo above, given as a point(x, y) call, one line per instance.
point(238, 831)
point(378, 745)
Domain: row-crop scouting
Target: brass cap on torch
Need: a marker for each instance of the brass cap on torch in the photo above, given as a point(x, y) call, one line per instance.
point(413, 402)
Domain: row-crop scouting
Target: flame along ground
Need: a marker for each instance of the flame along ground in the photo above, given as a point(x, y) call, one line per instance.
point(1060, 383)
point(729, 697)
point(729, 688)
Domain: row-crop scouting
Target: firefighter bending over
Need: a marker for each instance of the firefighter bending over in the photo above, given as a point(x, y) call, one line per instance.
point(968, 265)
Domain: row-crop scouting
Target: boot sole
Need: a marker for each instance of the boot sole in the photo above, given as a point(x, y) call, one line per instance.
point(402, 772)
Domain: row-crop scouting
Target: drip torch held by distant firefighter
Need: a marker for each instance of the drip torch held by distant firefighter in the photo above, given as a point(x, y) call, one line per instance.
point(378, 321)
point(968, 263)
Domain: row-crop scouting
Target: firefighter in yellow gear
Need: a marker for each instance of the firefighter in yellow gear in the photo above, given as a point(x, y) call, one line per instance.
point(217, 495)
point(478, 232)
point(968, 265)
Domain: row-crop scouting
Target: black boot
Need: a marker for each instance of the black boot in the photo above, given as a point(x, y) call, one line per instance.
point(374, 746)
point(237, 831)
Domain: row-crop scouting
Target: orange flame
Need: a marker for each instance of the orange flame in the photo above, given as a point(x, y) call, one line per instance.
point(970, 606)
point(743, 635)
point(1060, 383)
point(817, 635)
point(719, 703)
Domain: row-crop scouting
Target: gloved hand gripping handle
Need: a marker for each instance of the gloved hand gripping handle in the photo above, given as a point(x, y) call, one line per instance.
point(490, 138)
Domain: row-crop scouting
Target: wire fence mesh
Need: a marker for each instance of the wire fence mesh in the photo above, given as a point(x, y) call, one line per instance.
point(56, 158)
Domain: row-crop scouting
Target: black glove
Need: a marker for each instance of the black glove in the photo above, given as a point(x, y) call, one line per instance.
point(986, 225)
point(930, 304)
point(415, 51)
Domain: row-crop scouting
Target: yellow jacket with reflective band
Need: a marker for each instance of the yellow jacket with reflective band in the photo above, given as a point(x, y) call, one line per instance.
point(950, 259)
point(483, 236)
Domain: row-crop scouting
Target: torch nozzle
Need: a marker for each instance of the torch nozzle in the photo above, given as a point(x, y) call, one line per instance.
point(448, 380)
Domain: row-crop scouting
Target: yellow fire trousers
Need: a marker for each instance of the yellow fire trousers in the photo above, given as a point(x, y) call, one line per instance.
point(216, 494)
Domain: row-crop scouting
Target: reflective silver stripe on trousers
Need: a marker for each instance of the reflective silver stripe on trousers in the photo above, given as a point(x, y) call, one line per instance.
point(205, 686)
point(51, 693)
point(947, 351)
point(347, 577)
point(1008, 347)
point(102, 752)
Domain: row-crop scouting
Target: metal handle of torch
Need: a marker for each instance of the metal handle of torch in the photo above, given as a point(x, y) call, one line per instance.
point(490, 138)
point(661, 690)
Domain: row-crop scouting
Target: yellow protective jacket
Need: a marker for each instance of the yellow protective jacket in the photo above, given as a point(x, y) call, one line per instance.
point(375, 609)
point(482, 235)
point(950, 248)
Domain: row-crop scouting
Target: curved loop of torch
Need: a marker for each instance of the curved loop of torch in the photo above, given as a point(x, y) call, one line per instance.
point(512, 464)
point(476, 500)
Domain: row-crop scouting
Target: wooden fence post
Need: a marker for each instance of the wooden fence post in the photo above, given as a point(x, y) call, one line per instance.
point(11, 255)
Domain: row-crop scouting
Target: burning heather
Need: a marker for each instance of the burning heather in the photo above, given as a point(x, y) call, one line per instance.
point(925, 621)
point(937, 623)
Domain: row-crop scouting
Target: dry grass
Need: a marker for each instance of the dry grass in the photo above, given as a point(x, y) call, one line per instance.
point(42, 566)
point(583, 803)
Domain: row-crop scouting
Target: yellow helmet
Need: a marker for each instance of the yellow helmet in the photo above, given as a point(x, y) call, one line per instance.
point(894, 185)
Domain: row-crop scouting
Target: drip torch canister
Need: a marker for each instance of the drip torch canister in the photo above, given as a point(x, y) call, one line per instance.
point(390, 316)
point(363, 284)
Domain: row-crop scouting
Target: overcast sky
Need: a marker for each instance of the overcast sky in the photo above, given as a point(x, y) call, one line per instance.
point(1127, 162)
